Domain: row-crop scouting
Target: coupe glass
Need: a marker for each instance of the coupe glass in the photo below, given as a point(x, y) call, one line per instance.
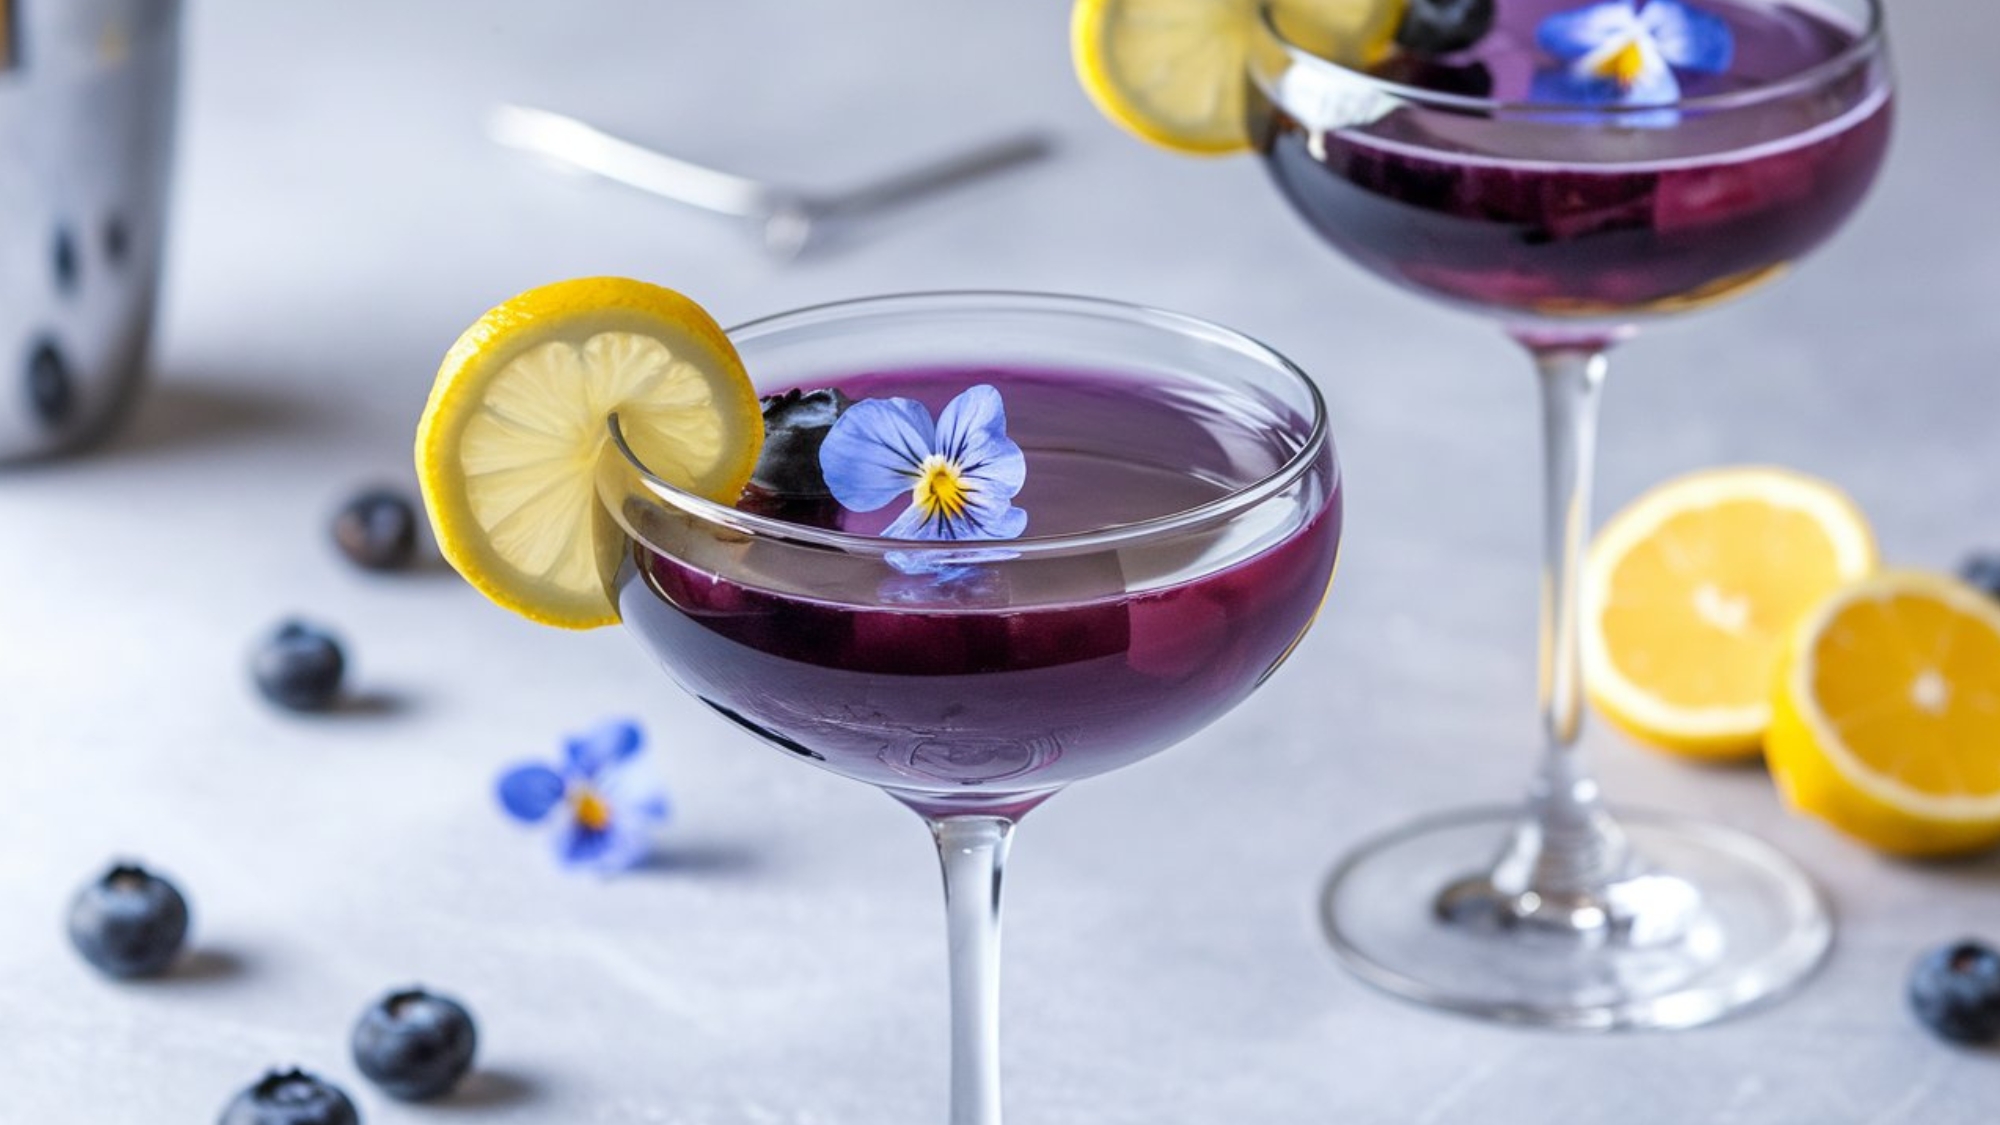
point(1572, 227)
point(972, 683)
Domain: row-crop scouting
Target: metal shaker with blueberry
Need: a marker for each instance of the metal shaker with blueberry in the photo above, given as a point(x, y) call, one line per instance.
point(87, 91)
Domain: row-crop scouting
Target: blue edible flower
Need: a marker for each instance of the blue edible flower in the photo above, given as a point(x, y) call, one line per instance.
point(611, 804)
point(1625, 52)
point(961, 474)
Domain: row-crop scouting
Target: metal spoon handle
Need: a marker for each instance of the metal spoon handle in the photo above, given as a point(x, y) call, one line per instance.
point(903, 187)
point(586, 147)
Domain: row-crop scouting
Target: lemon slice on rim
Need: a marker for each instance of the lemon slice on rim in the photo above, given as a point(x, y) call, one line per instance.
point(508, 447)
point(1690, 595)
point(1887, 717)
point(1175, 72)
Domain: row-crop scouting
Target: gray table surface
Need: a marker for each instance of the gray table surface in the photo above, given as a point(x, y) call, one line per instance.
point(339, 218)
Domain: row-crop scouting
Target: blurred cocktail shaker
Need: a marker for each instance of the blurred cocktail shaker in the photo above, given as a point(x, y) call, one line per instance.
point(87, 91)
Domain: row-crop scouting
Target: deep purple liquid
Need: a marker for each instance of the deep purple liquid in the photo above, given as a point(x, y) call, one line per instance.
point(1557, 221)
point(954, 698)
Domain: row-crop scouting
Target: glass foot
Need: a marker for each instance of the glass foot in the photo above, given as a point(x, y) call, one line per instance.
point(1714, 921)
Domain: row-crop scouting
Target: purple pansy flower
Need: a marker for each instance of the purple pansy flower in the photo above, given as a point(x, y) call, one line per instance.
point(961, 474)
point(610, 802)
point(1626, 51)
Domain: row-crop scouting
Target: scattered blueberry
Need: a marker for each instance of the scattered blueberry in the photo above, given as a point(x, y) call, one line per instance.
point(1470, 79)
point(1955, 991)
point(299, 667)
point(414, 1044)
point(62, 261)
point(129, 922)
point(377, 529)
point(291, 1097)
point(1440, 27)
point(51, 391)
point(1983, 571)
point(795, 424)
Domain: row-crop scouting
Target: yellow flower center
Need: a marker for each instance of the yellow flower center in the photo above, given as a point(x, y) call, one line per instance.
point(941, 488)
point(592, 811)
point(1627, 65)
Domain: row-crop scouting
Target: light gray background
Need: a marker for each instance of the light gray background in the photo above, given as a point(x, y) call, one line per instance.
point(339, 219)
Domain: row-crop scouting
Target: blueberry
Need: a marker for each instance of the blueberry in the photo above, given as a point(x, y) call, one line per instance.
point(299, 667)
point(414, 1044)
point(377, 529)
point(1983, 571)
point(807, 511)
point(62, 261)
point(1440, 27)
point(1471, 79)
point(291, 1097)
point(129, 922)
point(1955, 991)
point(795, 424)
point(51, 390)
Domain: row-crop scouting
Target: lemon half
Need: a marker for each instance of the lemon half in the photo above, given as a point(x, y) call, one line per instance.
point(1691, 593)
point(1887, 716)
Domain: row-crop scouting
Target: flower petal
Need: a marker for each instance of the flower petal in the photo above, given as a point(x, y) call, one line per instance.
point(577, 846)
point(945, 578)
point(870, 455)
point(990, 516)
point(529, 791)
point(617, 848)
point(972, 433)
point(915, 523)
point(1572, 35)
point(971, 425)
point(1688, 37)
point(986, 516)
point(1655, 85)
point(1001, 470)
point(1633, 66)
point(634, 794)
point(1562, 86)
point(604, 747)
point(649, 810)
point(1567, 87)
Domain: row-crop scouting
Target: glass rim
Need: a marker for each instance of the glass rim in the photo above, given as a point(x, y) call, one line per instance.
point(1236, 501)
point(1819, 74)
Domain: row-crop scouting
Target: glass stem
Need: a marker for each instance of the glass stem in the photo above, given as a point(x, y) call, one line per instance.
point(973, 850)
point(1568, 848)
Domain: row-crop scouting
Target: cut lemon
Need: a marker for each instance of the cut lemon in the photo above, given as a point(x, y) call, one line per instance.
point(1690, 594)
point(1887, 716)
point(1175, 72)
point(508, 447)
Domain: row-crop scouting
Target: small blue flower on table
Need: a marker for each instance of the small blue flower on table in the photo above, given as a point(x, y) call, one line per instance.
point(610, 803)
point(1625, 52)
point(961, 474)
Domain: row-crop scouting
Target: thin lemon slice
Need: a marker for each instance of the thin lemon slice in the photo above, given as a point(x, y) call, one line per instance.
point(508, 447)
point(1887, 715)
point(1175, 72)
point(1691, 592)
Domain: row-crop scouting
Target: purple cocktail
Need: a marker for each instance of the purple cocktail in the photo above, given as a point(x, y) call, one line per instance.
point(1512, 215)
point(1575, 171)
point(1184, 514)
point(939, 687)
